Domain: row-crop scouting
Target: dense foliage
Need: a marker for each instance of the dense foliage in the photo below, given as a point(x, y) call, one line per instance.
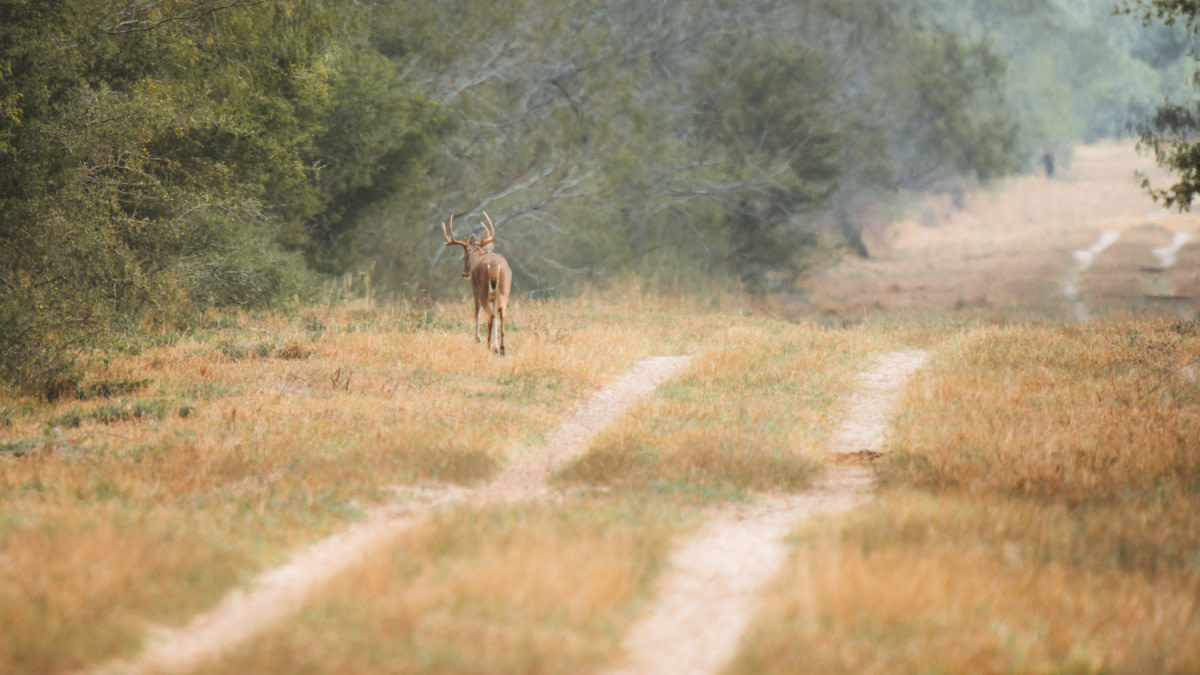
point(1172, 132)
point(161, 157)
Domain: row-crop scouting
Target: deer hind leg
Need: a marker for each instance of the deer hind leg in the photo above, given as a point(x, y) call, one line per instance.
point(478, 309)
point(501, 307)
point(491, 329)
point(492, 332)
point(495, 313)
point(500, 318)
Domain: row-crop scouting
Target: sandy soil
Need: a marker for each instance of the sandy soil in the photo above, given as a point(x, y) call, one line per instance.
point(271, 597)
point(865, 422)
point(710, 590)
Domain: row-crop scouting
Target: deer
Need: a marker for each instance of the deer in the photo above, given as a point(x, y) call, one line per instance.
point(491, 279)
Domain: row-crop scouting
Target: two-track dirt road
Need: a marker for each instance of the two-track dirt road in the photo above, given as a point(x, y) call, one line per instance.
point(702, 604)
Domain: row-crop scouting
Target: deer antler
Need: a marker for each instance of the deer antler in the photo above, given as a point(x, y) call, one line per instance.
point(491, 230)
point(450, 240)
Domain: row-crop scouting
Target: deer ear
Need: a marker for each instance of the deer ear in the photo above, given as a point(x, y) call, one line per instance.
point(489, 248)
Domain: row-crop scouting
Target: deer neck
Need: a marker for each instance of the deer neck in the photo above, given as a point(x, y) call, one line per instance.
point(478, 257)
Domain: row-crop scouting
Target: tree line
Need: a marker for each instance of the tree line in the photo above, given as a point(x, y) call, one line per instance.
point(161, 157)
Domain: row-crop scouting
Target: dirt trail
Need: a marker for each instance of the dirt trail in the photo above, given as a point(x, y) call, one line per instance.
point(706, 598)
point(280, 592)
point(709, 593)
point(525, 477)
point(865, 421)
point(271, 597)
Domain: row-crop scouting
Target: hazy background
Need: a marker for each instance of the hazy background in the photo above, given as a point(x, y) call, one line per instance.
point(159, 159)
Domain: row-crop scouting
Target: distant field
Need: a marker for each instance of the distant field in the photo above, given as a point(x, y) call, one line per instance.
point(1006, 254)
point(1039, 510)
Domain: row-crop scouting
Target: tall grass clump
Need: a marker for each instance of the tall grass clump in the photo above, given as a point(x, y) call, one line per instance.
point(914, 583)
point(1060, 412)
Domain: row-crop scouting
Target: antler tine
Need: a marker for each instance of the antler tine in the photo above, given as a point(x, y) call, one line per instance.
point(490, 228)
point(450, 240)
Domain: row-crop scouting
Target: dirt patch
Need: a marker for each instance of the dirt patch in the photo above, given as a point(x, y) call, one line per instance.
point(280, 592)
point(271, 597)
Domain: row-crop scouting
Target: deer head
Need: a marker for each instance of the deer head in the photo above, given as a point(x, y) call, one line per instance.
point(473, 251)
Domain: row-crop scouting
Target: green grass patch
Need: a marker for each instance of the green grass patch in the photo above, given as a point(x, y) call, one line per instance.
point(153, 409)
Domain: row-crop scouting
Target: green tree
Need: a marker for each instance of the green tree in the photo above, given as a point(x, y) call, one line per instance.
point(162, 157)
point(669, 138)
point(373, 157)
point(1077, 72)
point(1172, 132)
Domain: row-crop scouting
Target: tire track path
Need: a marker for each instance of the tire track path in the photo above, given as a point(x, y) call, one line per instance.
point(710, 591)
point(280, 592)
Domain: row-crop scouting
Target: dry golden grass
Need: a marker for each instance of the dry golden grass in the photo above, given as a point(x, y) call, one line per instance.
point(552, 588)
point(752, 413)
point(1041, 508)
point(217, 452)
point(1081, 414)
point(1042, 514)
point(80, 584)
point(915, 584)
point(532, 589)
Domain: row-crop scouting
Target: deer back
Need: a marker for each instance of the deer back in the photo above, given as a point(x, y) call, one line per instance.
point(490, 274)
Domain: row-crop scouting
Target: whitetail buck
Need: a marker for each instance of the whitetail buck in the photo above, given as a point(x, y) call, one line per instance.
point(491, 279)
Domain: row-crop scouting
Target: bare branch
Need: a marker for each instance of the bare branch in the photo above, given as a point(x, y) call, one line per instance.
point(200, 11)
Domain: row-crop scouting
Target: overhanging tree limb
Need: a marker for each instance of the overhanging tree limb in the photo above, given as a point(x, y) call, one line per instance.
point(200, 11)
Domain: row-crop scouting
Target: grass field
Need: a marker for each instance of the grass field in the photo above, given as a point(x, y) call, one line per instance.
point(1039, 511)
